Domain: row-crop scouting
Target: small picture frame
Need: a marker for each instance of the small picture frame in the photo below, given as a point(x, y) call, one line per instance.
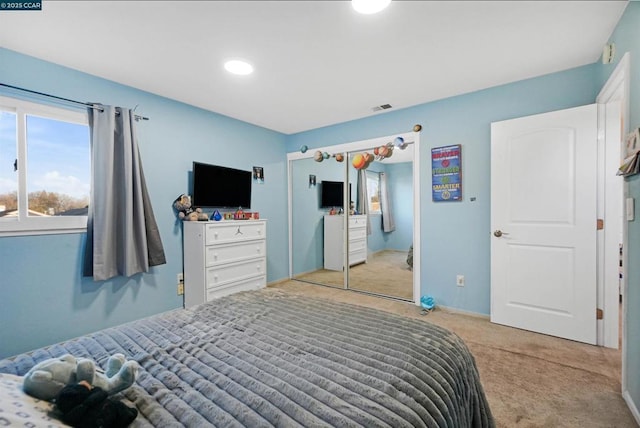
point(258, 174)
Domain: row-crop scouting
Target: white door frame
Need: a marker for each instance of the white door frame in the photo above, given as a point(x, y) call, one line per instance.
point(616, 88)
point(410, 138)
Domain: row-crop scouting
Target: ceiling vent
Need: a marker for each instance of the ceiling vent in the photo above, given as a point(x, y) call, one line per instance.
point(381, 107)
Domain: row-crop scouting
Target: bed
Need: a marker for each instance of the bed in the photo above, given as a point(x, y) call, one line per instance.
point(276, 358)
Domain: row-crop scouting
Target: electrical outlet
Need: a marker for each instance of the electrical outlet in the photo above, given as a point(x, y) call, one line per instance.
point(460, 280)
point(180, 278)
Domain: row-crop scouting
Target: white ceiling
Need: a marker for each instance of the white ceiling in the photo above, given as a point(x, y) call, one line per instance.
point(317, 63)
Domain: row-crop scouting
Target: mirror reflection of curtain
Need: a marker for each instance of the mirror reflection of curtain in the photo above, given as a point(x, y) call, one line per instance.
point(363, 197)
point(388, 223)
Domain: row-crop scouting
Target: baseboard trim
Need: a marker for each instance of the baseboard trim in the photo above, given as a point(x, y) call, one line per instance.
point(632, 406)
point(463, 312)
point(277, 281)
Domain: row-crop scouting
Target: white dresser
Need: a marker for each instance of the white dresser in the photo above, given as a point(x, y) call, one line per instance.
point(333, 241)
point(223, 257)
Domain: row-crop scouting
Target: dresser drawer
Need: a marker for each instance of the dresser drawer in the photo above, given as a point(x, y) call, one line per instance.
point(358, 256)
point(358, 234)
point(357, 251)
point(221, 274)
point(357, 222)
point(217, 254)
point(234, 287)
point(221, 233)
point(357, 245)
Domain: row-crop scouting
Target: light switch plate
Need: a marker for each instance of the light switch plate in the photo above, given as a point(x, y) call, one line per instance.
point(631, 211)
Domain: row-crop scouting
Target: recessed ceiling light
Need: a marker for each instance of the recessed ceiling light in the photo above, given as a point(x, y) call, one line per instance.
point(238, 66)
point(369, 6)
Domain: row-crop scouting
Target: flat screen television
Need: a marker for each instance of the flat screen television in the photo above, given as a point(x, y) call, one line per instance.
point(332, 193)
point(220, 187)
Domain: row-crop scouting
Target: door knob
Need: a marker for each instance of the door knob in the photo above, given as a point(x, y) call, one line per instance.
point(498, 233)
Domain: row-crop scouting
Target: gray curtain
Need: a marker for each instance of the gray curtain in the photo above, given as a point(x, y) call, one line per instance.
point(362, 205)
point(388, 223)
point(122, 234)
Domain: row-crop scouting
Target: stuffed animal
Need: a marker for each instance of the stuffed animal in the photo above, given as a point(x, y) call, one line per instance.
point(186, 212)
point(46, 379)
point(81, 405)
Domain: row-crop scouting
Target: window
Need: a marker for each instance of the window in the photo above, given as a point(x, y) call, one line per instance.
point(373, 192)
point(45, 168)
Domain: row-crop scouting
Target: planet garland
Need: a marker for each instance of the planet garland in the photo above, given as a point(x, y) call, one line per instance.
point(417, 128)
point(318, 156)
point(303, 149)
point(400, 143)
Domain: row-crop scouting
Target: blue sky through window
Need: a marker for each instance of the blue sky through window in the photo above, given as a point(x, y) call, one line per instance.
point(58, 156)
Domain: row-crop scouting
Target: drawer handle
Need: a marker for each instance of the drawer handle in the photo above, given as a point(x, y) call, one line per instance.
point(215, 256)
point(257, 267)
point(258, 249)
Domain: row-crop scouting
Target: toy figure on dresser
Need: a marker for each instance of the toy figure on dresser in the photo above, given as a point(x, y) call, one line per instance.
point(186, 212)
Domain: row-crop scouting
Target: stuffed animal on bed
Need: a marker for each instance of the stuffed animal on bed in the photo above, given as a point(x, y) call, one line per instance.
point(46, 379)
point(81, 405)
point(186, 212)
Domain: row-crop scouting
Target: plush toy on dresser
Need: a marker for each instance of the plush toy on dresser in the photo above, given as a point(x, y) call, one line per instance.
point(186, 212)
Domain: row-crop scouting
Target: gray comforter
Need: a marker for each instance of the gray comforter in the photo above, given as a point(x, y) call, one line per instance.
point(271, 358)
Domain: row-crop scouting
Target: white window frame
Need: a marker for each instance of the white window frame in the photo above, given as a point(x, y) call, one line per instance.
point(24, 224)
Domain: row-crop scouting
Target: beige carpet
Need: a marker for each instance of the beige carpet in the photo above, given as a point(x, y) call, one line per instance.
point(386, 273)
point(531, 380)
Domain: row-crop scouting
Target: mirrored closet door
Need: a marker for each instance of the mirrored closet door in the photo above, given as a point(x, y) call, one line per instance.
point(384, 217)
point(308, 180)
point(372, 235)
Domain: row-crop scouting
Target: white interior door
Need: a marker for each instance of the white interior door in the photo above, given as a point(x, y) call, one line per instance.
point(543, 223)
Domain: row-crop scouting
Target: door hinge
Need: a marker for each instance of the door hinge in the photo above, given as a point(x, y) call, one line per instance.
point(599, 314)
point(600, 224)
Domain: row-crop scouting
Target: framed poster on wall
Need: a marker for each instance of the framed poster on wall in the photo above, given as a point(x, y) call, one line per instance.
point(446, 173)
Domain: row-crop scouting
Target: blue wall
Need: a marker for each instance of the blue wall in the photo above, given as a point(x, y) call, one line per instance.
point(455, 236)
point(627, 39)
point(44, 298)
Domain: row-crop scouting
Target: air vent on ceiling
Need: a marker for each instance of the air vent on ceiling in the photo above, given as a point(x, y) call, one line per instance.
point(381, 107)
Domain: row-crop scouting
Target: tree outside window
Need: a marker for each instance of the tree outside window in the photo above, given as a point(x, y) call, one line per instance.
point(45, 167)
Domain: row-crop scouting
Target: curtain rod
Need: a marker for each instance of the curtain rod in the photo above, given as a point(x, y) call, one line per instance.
point(93, 106)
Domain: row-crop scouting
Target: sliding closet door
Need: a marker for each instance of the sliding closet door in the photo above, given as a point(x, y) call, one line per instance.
point(317, 238)
point(380, 232)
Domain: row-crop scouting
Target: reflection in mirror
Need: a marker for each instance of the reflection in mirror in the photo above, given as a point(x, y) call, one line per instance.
point(384, 200)
point(308, 217)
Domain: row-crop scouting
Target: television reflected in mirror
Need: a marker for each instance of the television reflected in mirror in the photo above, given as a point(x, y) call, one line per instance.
point(332, 193)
